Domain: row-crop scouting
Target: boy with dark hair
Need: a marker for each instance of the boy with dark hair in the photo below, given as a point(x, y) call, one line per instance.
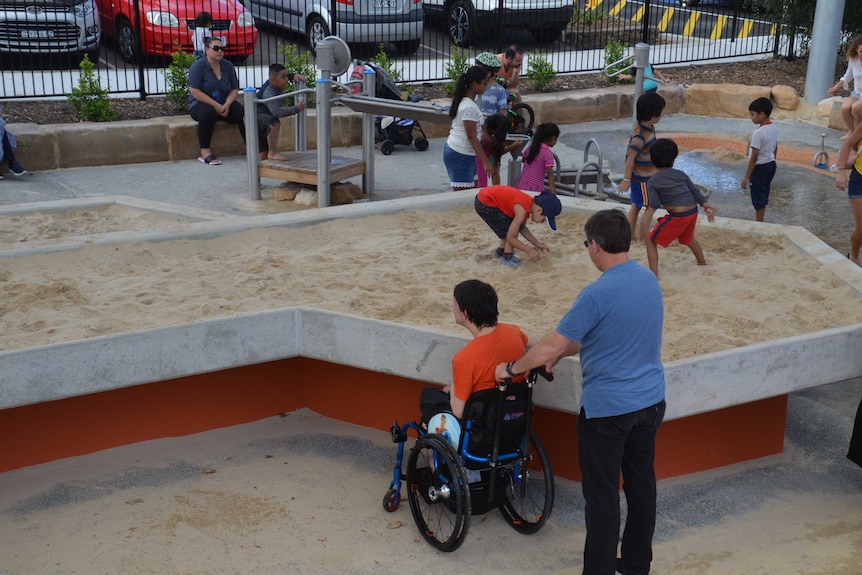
point(268, 114)
point(505, 209)
point(203, 30)
point(673, 190)
point(639, 167)
point(474, 307)
point(495, 99)
point(761, 159)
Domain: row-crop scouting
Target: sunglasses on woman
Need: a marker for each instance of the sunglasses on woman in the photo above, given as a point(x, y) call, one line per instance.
point(217, 48)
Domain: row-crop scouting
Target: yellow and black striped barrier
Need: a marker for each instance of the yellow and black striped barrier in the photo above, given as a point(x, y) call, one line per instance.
point(692, 17)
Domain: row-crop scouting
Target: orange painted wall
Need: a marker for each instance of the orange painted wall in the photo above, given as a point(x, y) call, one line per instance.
point(64, 428)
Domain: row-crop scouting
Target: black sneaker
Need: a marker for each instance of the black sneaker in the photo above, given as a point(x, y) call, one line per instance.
point(17, 169)
point(1, 177)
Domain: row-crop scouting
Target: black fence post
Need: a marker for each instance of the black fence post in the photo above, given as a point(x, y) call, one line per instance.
point(142, 90)
point(645, 35)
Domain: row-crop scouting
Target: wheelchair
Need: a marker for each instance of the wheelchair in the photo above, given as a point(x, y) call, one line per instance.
point(495, 461)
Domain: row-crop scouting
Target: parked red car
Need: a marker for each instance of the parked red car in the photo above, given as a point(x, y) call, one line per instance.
point(168, 25)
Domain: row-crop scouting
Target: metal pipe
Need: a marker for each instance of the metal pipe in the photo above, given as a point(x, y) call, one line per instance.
point(641, 62)
point(324, 152)
point(251, 150)
point(369, 81)
point(300, 125)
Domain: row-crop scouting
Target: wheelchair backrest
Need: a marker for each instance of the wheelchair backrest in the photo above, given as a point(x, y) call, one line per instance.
point(484, 414)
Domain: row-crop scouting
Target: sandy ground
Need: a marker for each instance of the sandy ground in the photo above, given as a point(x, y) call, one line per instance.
point(402, 268)
point(302, 494)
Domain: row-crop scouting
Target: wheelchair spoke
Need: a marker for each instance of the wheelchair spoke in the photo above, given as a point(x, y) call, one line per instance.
point(437, 493)
point(529, 490)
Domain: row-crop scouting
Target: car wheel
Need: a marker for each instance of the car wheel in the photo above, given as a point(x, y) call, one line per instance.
point(461, 23)
point(315, 31)
point(689, 3)
point(407, 46)
point(127, 46)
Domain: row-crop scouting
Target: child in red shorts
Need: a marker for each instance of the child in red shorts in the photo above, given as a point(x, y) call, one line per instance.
point(673, 190)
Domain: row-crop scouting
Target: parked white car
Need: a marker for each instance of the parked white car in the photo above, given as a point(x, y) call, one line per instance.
point(401, 22)
point(51, 27)
point(466, 19)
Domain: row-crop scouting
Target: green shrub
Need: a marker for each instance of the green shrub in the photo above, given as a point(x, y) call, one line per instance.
point(456, 66)
point(89, 98)
point(541, 72)
point(614, 51)
point(297, 64)
point(178, 78)
point(382, 60)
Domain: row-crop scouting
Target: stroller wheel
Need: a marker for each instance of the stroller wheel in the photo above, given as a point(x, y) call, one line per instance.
point(421, 144)
point(387, 146)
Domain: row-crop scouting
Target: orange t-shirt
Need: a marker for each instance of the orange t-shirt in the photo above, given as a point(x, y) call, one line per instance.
point(473, 367)
point(504, 199)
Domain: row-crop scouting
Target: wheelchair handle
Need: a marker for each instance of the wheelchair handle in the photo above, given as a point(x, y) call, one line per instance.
point(532, 375)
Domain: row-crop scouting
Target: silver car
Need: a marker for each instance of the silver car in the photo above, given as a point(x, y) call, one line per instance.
point(50, 27)
point(401, 22)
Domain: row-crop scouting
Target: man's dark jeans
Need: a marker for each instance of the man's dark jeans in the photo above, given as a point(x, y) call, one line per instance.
point(606, 447)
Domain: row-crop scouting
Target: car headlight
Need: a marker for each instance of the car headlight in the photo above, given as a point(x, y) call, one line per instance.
point(162, 19)
point(245, 19)
point(84, 8)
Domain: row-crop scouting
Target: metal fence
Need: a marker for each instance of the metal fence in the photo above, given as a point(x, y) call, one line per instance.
point(131, 40)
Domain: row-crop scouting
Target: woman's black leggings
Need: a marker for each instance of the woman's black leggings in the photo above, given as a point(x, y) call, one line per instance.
point(8, 153)
point(206, 118)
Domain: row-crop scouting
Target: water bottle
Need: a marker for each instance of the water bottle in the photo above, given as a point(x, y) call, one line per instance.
point(217, 97)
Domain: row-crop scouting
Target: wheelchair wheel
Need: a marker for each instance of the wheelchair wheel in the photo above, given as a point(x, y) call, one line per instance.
point(391, 501)
point(438, 493)
point(529, 490)
point(522, 118)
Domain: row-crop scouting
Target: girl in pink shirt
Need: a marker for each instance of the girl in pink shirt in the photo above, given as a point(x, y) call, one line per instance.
point(539, 160)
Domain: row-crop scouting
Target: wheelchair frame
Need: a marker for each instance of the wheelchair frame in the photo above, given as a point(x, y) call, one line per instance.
point(443, 492)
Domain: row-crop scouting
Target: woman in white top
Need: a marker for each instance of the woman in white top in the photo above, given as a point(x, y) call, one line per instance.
point(851, 110)
point(463, 146)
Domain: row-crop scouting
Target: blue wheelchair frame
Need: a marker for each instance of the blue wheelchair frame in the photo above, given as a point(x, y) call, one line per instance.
point(448, 479)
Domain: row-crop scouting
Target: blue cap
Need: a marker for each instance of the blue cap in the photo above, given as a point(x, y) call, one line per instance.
point(551, 207)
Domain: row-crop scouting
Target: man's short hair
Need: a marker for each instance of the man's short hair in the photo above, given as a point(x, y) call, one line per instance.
point(663, 153)
point(512, 50)
point(610, 229)
point(761, 105)
point(649, 106)
point(478, 301)
point(275, 69)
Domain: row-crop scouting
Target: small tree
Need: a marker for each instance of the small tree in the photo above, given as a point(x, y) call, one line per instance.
point(382, 59)
point(89, 98)
point(298, 64)
point(456, 66)
point(541, 72)
point(178, 78)
point(614, 51)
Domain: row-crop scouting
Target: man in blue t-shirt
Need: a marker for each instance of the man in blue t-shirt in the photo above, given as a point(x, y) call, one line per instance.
point(618, 337)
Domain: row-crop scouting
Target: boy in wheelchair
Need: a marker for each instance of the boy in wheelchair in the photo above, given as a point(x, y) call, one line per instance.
point(474, 307)
point(502, 465)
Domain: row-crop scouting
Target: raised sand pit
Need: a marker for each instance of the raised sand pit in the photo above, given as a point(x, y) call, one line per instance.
point(402, 268)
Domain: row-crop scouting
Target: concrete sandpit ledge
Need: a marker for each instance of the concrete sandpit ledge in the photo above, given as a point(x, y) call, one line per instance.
point(696, 385)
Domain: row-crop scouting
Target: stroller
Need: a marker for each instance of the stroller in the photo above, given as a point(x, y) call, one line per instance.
point(391, 130)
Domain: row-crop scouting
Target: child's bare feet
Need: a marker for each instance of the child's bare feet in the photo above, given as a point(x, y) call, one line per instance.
point(278, 157)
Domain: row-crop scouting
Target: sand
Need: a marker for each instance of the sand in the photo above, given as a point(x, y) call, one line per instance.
point(402, 268)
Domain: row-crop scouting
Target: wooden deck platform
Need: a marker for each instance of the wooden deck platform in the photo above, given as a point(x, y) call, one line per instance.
point(302, 168)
